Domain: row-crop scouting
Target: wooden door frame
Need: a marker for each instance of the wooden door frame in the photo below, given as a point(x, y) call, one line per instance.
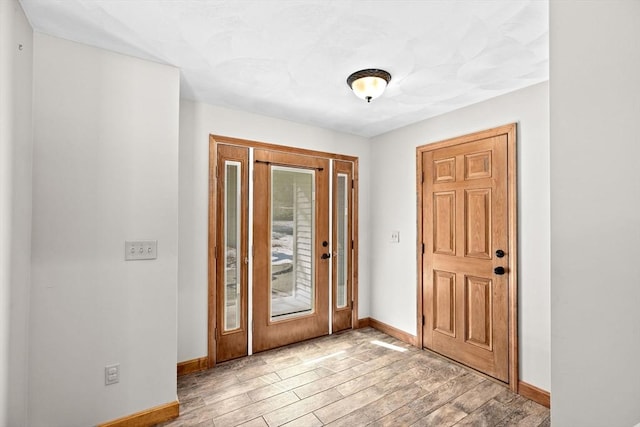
point(510, 131)
point(214, 141)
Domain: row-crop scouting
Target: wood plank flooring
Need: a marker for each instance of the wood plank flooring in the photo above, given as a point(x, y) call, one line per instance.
point(354, 378)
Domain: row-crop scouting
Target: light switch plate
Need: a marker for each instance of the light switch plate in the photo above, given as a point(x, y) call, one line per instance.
point(395, 237)
point(111, 374)
point(140, 249)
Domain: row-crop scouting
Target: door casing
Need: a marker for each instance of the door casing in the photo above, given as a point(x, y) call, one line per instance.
point(510, 132)
point(214, 141)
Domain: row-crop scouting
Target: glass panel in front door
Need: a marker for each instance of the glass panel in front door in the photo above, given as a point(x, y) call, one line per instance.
point(292, 242)
point(232, 240)
point(342, 243)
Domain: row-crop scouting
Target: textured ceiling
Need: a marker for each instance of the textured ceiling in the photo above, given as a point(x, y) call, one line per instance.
point(290, 59)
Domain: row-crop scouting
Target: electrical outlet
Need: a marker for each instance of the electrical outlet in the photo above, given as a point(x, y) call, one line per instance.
point(140, 249)
point(395, 237)
point(111, 374)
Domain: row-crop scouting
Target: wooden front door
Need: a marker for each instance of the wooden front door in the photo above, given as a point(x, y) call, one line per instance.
point(291, 248)
point(468, 227)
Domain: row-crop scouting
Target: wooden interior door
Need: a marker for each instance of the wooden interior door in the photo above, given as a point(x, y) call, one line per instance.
point(342, 224)
point(291, 248)
point(466, 260)
point(231, 252)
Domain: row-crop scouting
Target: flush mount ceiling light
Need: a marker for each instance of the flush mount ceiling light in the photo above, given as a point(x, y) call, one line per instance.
point(368, 84)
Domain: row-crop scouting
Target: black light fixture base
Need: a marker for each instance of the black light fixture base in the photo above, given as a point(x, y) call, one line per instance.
point(370, 72)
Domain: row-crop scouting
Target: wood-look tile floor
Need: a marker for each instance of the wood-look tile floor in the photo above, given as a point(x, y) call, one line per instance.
point(349, 379)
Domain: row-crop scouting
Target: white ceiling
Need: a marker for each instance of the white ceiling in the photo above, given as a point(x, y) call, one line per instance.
point(290, 58)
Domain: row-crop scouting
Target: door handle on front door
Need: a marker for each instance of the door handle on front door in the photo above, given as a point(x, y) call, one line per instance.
point(499, 270)
point(325, 256)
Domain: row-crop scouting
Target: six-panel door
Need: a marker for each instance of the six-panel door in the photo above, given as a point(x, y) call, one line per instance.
point(465, 221)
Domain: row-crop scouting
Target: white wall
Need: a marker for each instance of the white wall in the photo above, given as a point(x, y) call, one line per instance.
point(6, 149)
point(16, 71)
point(595, 199)
point(393, 207)
point(105, 170)
point(197, 121)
